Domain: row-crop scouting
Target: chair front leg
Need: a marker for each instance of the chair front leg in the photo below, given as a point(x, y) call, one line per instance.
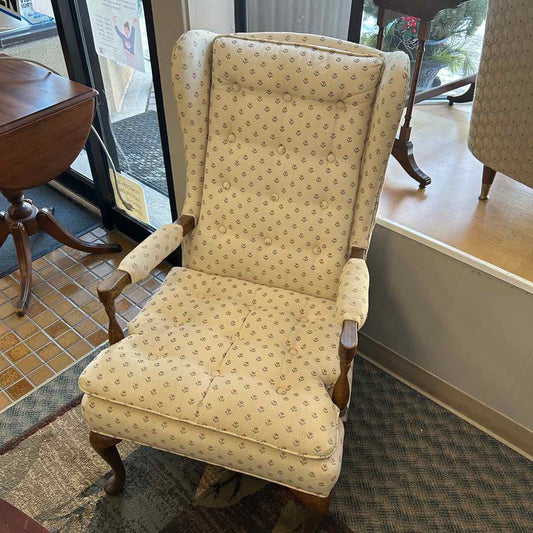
point(106, 448)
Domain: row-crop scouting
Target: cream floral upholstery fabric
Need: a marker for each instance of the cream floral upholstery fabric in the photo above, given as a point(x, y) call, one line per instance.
point(229, 356)
point(501, 128)
point(234, 360)
point(352, 299)
point(154, 249)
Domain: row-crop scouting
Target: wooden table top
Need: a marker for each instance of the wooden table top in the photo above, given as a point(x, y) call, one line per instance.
point(15, 521)
point(29, 92)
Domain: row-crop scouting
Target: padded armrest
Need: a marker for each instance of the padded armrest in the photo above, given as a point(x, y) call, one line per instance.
point(153, 250)
point(352, 295)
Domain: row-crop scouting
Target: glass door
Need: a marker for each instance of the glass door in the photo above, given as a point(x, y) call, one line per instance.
point(110, 46)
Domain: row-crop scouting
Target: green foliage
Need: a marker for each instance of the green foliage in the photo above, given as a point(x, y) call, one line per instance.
point(449, 31)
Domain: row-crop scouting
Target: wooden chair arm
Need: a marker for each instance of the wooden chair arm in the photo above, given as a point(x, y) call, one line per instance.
point(347, 349)
point(111, 287)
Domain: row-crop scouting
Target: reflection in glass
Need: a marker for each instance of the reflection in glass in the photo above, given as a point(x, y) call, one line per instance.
point(454, 47)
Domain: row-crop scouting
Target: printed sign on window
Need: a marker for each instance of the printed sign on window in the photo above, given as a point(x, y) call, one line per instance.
point(11, 7)
point(116, 34)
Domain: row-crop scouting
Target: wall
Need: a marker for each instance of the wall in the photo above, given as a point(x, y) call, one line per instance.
point(171, 19)
point(462, 320)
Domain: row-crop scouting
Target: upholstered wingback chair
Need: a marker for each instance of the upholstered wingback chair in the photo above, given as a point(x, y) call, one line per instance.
point(242, 358)
point(501, 127)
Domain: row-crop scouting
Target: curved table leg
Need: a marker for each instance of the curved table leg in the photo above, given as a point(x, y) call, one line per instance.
point(4, 229)
point(48, 223)
point(22, 245)
point(402, 151)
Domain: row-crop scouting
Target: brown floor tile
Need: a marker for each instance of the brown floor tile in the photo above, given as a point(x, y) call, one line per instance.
point(5, 400)
point(28, 364)
point(64, 307)
point(57, 328)
point(131, 313)
point(18, 352)
point(39, 264)
point(35, 308)
point(69, 289)
point(6, 309)
point(81, 297)
point(45, 319)
point(64, 262)
point(8, 341)
point(27, 329)
point(68, 339)
point(42, 289)
point(19, 389)
point(40, 375)
point(92, 306)
point(79, 349)
point(86, 278)
point(48, 351)
point(60, 362)
point(37, 341)
point(4, 363)
point(86, 327)
point(75, 270)
point(52, 299)
point(100, 317)
point(74, 317)
point(102, 270)
point(3, 329)
point(9, 376)
point(98, 337)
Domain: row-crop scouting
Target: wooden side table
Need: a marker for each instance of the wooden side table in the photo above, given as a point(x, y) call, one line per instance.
point(44, 122)
point(13, 520)
point(425, 10)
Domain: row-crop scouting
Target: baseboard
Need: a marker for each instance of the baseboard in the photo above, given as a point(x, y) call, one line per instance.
point(473, 411)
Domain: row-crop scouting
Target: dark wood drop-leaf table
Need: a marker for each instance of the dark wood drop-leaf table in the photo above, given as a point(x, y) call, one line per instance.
point(45, 120)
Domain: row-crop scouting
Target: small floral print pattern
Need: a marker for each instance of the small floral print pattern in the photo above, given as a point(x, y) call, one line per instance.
point(152, 251)
point(234, 359)
point(352, 299)
point(501, 128)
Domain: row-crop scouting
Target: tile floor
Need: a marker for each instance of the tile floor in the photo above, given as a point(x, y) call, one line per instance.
point(65, 320)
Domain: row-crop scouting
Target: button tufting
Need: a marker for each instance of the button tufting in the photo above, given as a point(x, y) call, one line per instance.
point(340, 104)
point(268, 242)
point(281, 390)
point(222, 229)
point(287, 97)
point(274, 197)
point(317, 250)
point(281, 149)
point(236, 87)
point(324, 204)
point(226, 185)
point(293, 351)
point(231, 138)
point(215, 373)
point(331, 157)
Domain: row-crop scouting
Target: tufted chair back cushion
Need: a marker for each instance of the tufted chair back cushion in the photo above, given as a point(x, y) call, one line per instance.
point(287, 130)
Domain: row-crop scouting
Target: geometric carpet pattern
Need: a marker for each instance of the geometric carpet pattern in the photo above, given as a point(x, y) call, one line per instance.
point(409, 466)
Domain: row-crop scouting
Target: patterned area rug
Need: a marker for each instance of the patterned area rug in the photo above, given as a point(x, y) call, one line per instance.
point(139, 150)
point(409, 466)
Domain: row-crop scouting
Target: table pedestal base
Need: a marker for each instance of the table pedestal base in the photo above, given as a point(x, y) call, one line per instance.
point(24, 219)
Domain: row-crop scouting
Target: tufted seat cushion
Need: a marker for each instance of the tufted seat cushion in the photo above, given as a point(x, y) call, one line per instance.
point(212, 355)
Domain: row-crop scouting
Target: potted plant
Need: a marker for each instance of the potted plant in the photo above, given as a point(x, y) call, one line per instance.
point(446, 46)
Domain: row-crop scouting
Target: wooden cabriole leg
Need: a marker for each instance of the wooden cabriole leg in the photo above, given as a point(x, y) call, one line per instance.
point(49, 224)
point(315, 509)
point(106, 448)
point(488, 178)
point(22, 247)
